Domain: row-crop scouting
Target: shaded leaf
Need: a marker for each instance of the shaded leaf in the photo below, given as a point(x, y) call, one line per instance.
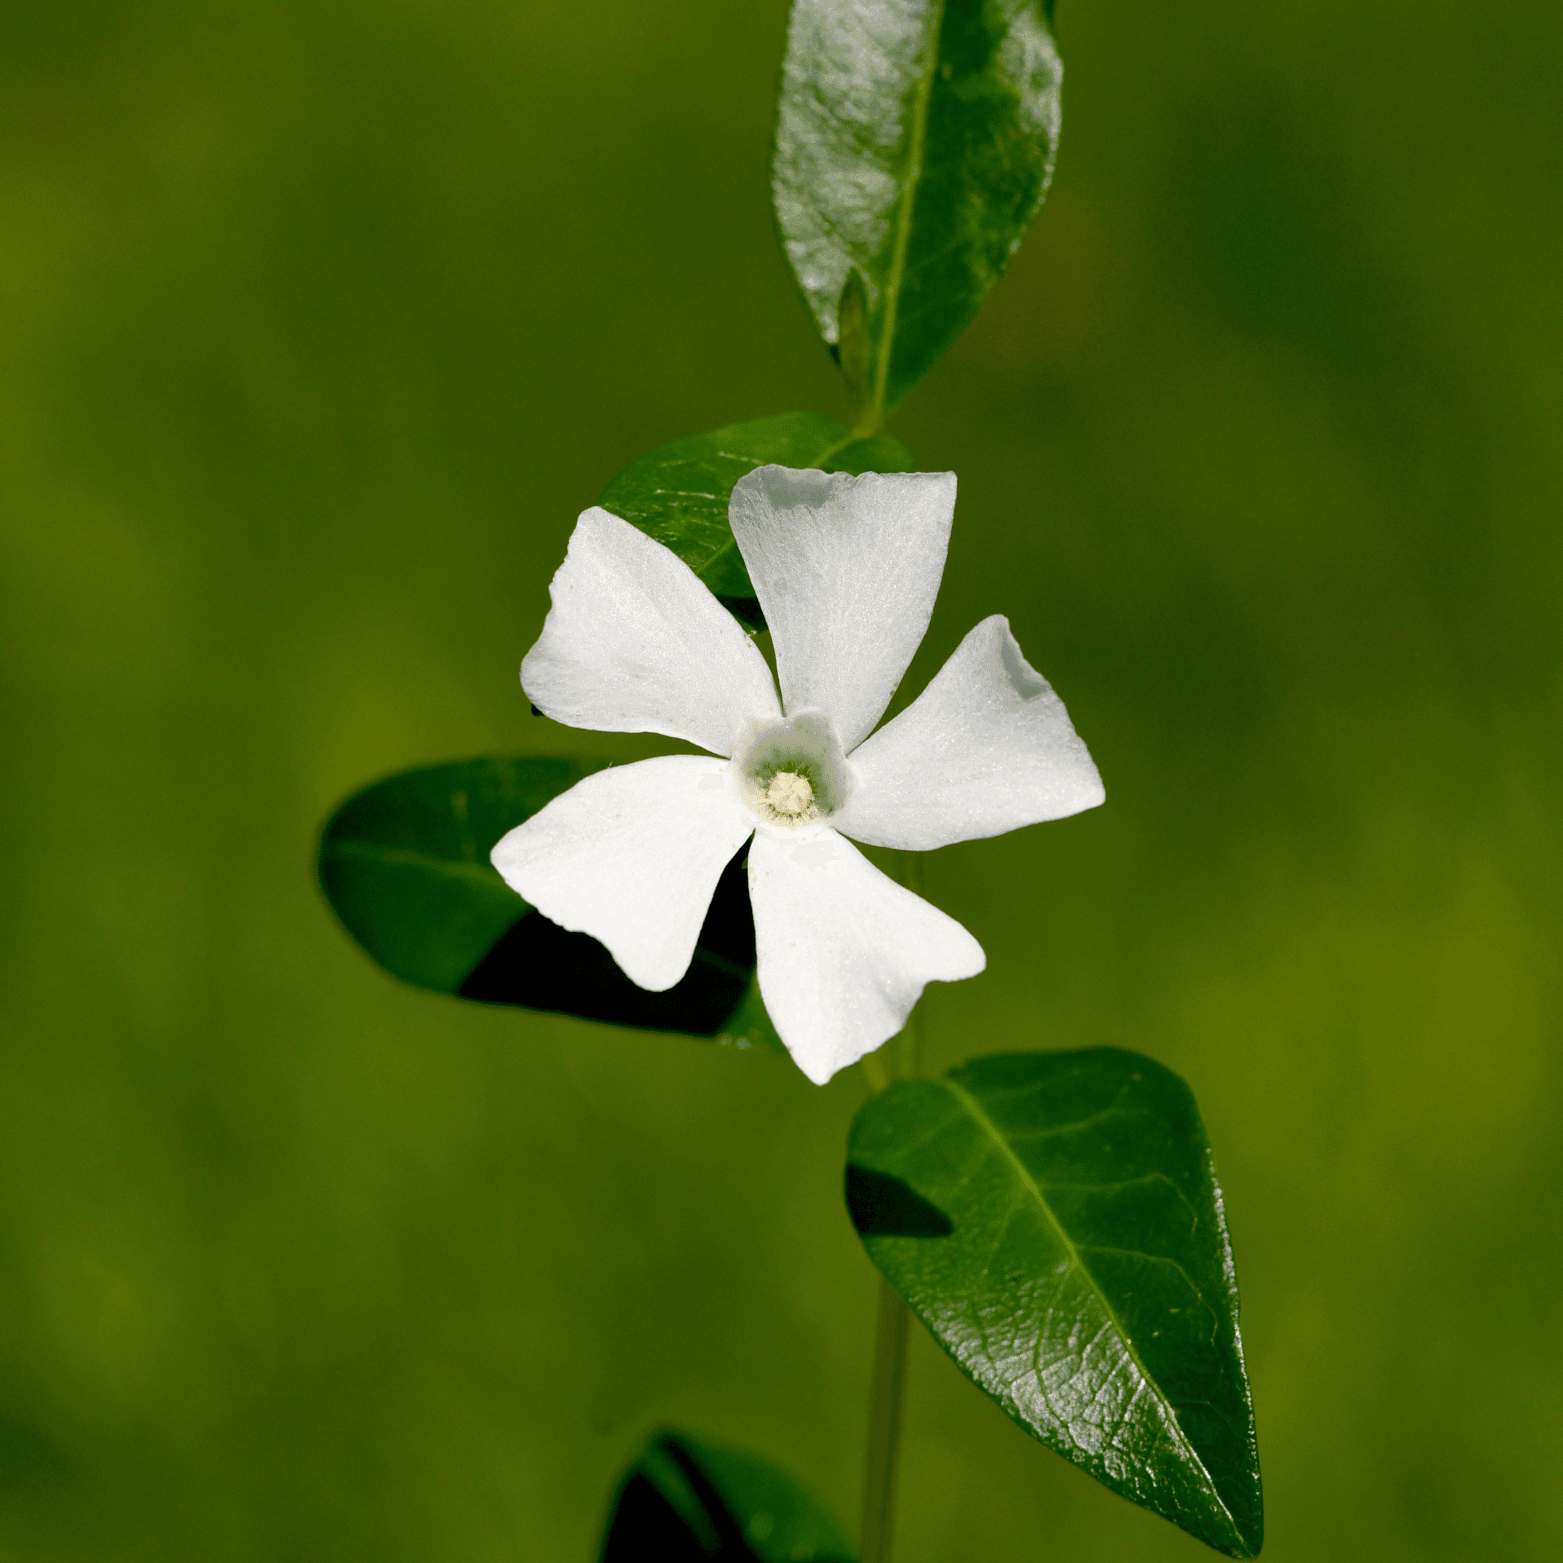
point(1084, 1279)
point(678, 493)
point(688, 1500)
point(883, 1206)
point(405, 865)
point(914, 142)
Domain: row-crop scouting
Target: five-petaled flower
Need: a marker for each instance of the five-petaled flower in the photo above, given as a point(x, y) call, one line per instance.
point(846, 570)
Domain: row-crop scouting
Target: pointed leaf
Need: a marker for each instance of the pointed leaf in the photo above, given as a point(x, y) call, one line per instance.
point(405, 865)
point(688, 1500)
point(1054, 1219)
point(678, 493)
point(914, 142)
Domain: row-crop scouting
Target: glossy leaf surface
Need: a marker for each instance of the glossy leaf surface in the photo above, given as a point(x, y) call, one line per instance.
point(678, 493)
point(688, 1500)
point(914, 144)
point(405, 865)
point(1054, 1219)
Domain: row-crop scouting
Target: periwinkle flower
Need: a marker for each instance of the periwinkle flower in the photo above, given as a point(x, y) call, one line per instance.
point(846, 570)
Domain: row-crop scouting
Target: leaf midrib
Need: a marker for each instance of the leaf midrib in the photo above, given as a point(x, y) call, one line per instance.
point(412, 857)
point(914, 174)
point(973, 1109)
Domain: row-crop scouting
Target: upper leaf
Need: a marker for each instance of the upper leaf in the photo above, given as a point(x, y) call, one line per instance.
point(678, 493)
point(914, 144)
point(1054, 1219)
point(405, 865)
point(688, 1500)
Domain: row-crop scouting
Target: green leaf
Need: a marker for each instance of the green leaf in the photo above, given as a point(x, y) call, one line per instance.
point(678, 493)
point(1054, 1219)
point(697, 1500)
point(914, 143)
point(405, 865)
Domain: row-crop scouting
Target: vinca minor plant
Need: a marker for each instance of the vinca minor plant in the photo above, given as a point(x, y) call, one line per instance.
point(1052, 1218)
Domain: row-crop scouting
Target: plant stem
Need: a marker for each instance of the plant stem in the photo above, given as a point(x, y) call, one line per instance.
point(912, 1046)
point(895, 1318)
point(884, 1425)
point(874, 1072)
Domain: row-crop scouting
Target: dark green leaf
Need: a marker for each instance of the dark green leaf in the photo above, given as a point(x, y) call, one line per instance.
point(914, 142)
point(405, 865)
point(1054, 1219)
point(678, 493)
point(688, 1500)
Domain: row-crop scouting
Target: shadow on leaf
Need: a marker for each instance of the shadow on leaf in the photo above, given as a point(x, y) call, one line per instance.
point(689, 1500)
point(883, 1206)
point(539, 965)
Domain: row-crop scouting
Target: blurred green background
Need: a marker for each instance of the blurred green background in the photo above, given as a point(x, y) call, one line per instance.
point(320, 322)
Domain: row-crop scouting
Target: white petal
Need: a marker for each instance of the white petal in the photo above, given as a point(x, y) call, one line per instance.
point(846, 569)
point(986, 748)
point(631, 856)
point(636, 643)
point(844, 952)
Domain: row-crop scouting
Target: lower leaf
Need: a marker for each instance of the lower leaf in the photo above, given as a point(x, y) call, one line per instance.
point(689, 1500)
point(1054, 1219)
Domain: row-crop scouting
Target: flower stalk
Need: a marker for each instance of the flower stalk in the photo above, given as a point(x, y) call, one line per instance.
point(884, 1425)
point(894, 1319)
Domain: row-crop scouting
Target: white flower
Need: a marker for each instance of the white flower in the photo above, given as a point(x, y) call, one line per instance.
point(846, 570)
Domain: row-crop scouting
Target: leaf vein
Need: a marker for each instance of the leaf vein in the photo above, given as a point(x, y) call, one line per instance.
point(1027, 1182)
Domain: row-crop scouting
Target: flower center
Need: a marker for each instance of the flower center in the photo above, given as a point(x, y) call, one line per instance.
point(792, 774)
point(790, 793)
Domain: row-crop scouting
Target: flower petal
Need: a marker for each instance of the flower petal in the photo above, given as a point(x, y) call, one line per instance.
point(846, 569)
point(635, 643)
point(986, 748)
point(843, 951)
point(631, 856)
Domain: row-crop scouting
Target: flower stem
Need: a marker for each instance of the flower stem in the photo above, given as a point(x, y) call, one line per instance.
point(895, 1318)
point(884, 1426)
point(912, 879)
point(874, 1072)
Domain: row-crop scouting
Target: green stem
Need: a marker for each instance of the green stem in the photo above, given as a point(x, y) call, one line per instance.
point(884, 1425)
point(912, 1044)
point(895, 1318)
point(874, 1072)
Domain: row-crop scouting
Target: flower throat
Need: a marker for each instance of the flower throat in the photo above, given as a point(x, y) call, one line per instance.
point(792, 774)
